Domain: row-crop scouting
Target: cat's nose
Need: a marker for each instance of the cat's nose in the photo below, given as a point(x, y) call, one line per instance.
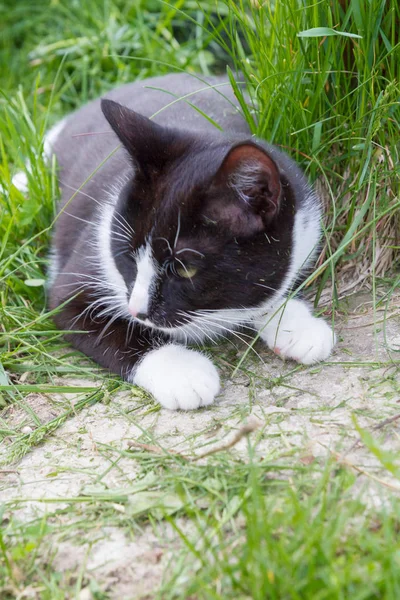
point(142, 316)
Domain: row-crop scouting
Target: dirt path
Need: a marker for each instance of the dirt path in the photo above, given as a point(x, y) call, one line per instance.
point(309, 411)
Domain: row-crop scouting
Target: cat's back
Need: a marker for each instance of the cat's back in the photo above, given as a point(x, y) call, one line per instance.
point(172, 100)
point(178, 100)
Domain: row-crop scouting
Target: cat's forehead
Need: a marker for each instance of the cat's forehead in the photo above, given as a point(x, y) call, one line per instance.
point(180, 232)
point(192, 241)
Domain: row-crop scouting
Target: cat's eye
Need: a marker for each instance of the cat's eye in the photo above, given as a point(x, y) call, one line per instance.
point(186, 272)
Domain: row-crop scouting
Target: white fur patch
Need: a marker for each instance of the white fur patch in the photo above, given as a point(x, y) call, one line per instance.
point(146, 274)
point(53, 268)
point(51, 137)
point(178, 378)
point(293, 332)
point(306, 236)
point(106, 260)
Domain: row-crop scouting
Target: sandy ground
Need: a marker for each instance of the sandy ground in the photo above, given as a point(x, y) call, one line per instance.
point(306, 409)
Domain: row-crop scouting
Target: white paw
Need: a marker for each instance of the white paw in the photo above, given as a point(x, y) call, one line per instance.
point(297, 334)
point(178, 377)
point(20, 181)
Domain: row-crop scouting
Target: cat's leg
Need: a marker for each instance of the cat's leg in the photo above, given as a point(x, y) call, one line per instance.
point(292, 331)
point(177, 377)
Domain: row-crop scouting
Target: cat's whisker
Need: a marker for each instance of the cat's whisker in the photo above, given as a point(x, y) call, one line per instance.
point(93, 244)
point(79, 284)
point(223, 337)
point(189, 250)
point(124, 242)
point(203, 332)
point(195, 336)
point(118, 228)
point(184, 314)
point(121, 253)
point(78, 218)
point(211, 322)
point(220, 334)
point(94, 279)
point(120, 240)
point(267, 287)
point(107, 327)
point(187, 327)
point(92, 305)
point(168, 244)
point(93, 261)
point(97, 293)
point(216, 320)
point(85, 286)
point(186, 337)
point(121, 234)
point(117, 236)
point(123, 224)
point(78, 191)
point(227, 310)
point(190, 323)
point(243, 322)
point(178, 229)
point(79, 316)
point(234, 333)
point(114, 302)
point(114, 306)
point(111, 301)
point(232, 321)
point(183, 331)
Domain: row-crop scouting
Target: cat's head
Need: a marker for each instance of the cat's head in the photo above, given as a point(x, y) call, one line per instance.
point(202, 233)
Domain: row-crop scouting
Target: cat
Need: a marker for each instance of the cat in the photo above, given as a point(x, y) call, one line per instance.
point(178, 229)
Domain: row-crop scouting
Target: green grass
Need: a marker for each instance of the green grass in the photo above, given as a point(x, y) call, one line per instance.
point(332, 102)
point(308, 540)
point(254, 534)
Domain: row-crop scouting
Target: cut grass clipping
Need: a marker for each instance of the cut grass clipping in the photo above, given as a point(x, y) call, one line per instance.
point(323, 79)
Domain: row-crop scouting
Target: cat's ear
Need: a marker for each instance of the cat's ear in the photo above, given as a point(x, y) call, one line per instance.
point(149, 144)
point(246, 191)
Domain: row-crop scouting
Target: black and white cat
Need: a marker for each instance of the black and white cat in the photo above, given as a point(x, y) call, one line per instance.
point(185, 232)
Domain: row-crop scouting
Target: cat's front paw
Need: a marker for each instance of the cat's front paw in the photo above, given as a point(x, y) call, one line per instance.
point(178, 378)
point(298, 335)
point(307, 342)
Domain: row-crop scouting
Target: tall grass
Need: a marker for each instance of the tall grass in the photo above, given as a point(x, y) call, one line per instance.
point(324, 78)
